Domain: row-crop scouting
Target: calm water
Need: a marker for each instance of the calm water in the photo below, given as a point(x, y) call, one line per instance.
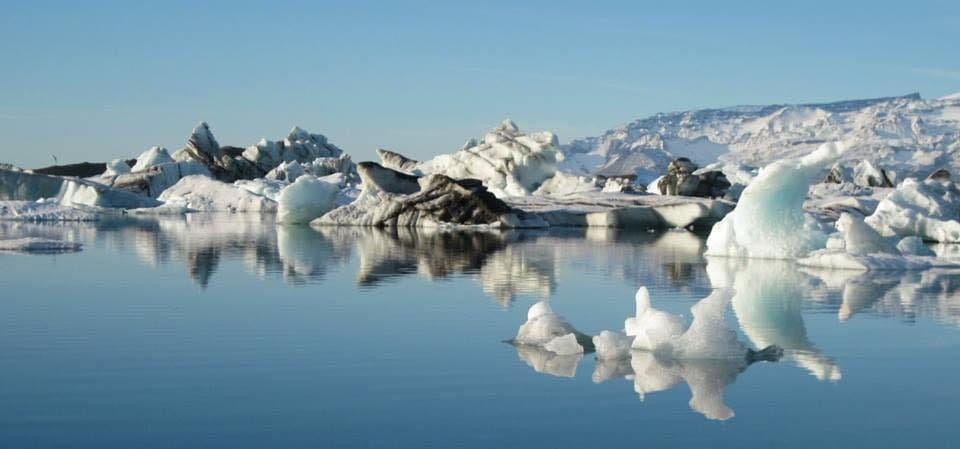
point(230, 331)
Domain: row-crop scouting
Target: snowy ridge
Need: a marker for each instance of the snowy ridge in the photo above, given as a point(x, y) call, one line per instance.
point(906, 134)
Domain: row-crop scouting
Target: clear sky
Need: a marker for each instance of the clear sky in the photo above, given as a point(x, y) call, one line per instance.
point(101, 80)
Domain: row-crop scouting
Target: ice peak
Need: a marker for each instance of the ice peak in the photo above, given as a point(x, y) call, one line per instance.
point(507, 125)
point(202, 142)
point(539, 309)
point(643, 300)
point(298, 133)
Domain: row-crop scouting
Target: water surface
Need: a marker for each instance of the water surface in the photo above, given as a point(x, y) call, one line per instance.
point(231, 331)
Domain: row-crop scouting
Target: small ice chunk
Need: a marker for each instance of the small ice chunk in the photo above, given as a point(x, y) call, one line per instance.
point(542, 326)
point(612, 345)
point(650, 326)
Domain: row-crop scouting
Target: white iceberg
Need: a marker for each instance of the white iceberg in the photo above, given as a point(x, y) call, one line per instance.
point(610, 345)
point(508, 162)
point(205, 194)
point(927, 209)
point(306, 199)
point(546, 329)
point(769, 221)
point(860, 247)
point(651, 327)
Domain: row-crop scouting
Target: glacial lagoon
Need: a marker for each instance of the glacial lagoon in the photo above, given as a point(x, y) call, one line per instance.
point(233, 331)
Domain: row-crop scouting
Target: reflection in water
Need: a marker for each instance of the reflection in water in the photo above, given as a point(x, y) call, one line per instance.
point(769, 301)
point(506, 264)
point(768, 305)
point(547, 362)
point(511, 264)
point(651, 373)
point(708, 357)
point(906, 295)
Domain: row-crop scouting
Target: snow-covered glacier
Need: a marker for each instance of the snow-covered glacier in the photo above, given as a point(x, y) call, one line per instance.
point(906, 135)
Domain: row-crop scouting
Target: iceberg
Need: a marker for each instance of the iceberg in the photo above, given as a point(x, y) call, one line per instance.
point(205, 194)
point(507, 162)
point(769, 221)
point(550, 331)
point(927, 209)
point(860, 247)
point(306, 199)
point(611, 345)
point(394, 199)
point(651, 327)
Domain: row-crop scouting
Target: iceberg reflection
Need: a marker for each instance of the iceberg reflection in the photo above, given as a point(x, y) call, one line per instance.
point(768, 304)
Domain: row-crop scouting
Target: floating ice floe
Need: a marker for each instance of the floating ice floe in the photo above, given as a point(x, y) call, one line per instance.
point(205, 194)
point(550, 331)
point(38, 245)
point(651, 327)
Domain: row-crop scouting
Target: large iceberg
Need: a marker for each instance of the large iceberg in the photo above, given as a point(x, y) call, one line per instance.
point(769, 221)
point(508, 162)
point(394, 199)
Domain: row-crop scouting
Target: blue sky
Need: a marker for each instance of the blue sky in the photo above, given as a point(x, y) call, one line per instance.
point(103, 80)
